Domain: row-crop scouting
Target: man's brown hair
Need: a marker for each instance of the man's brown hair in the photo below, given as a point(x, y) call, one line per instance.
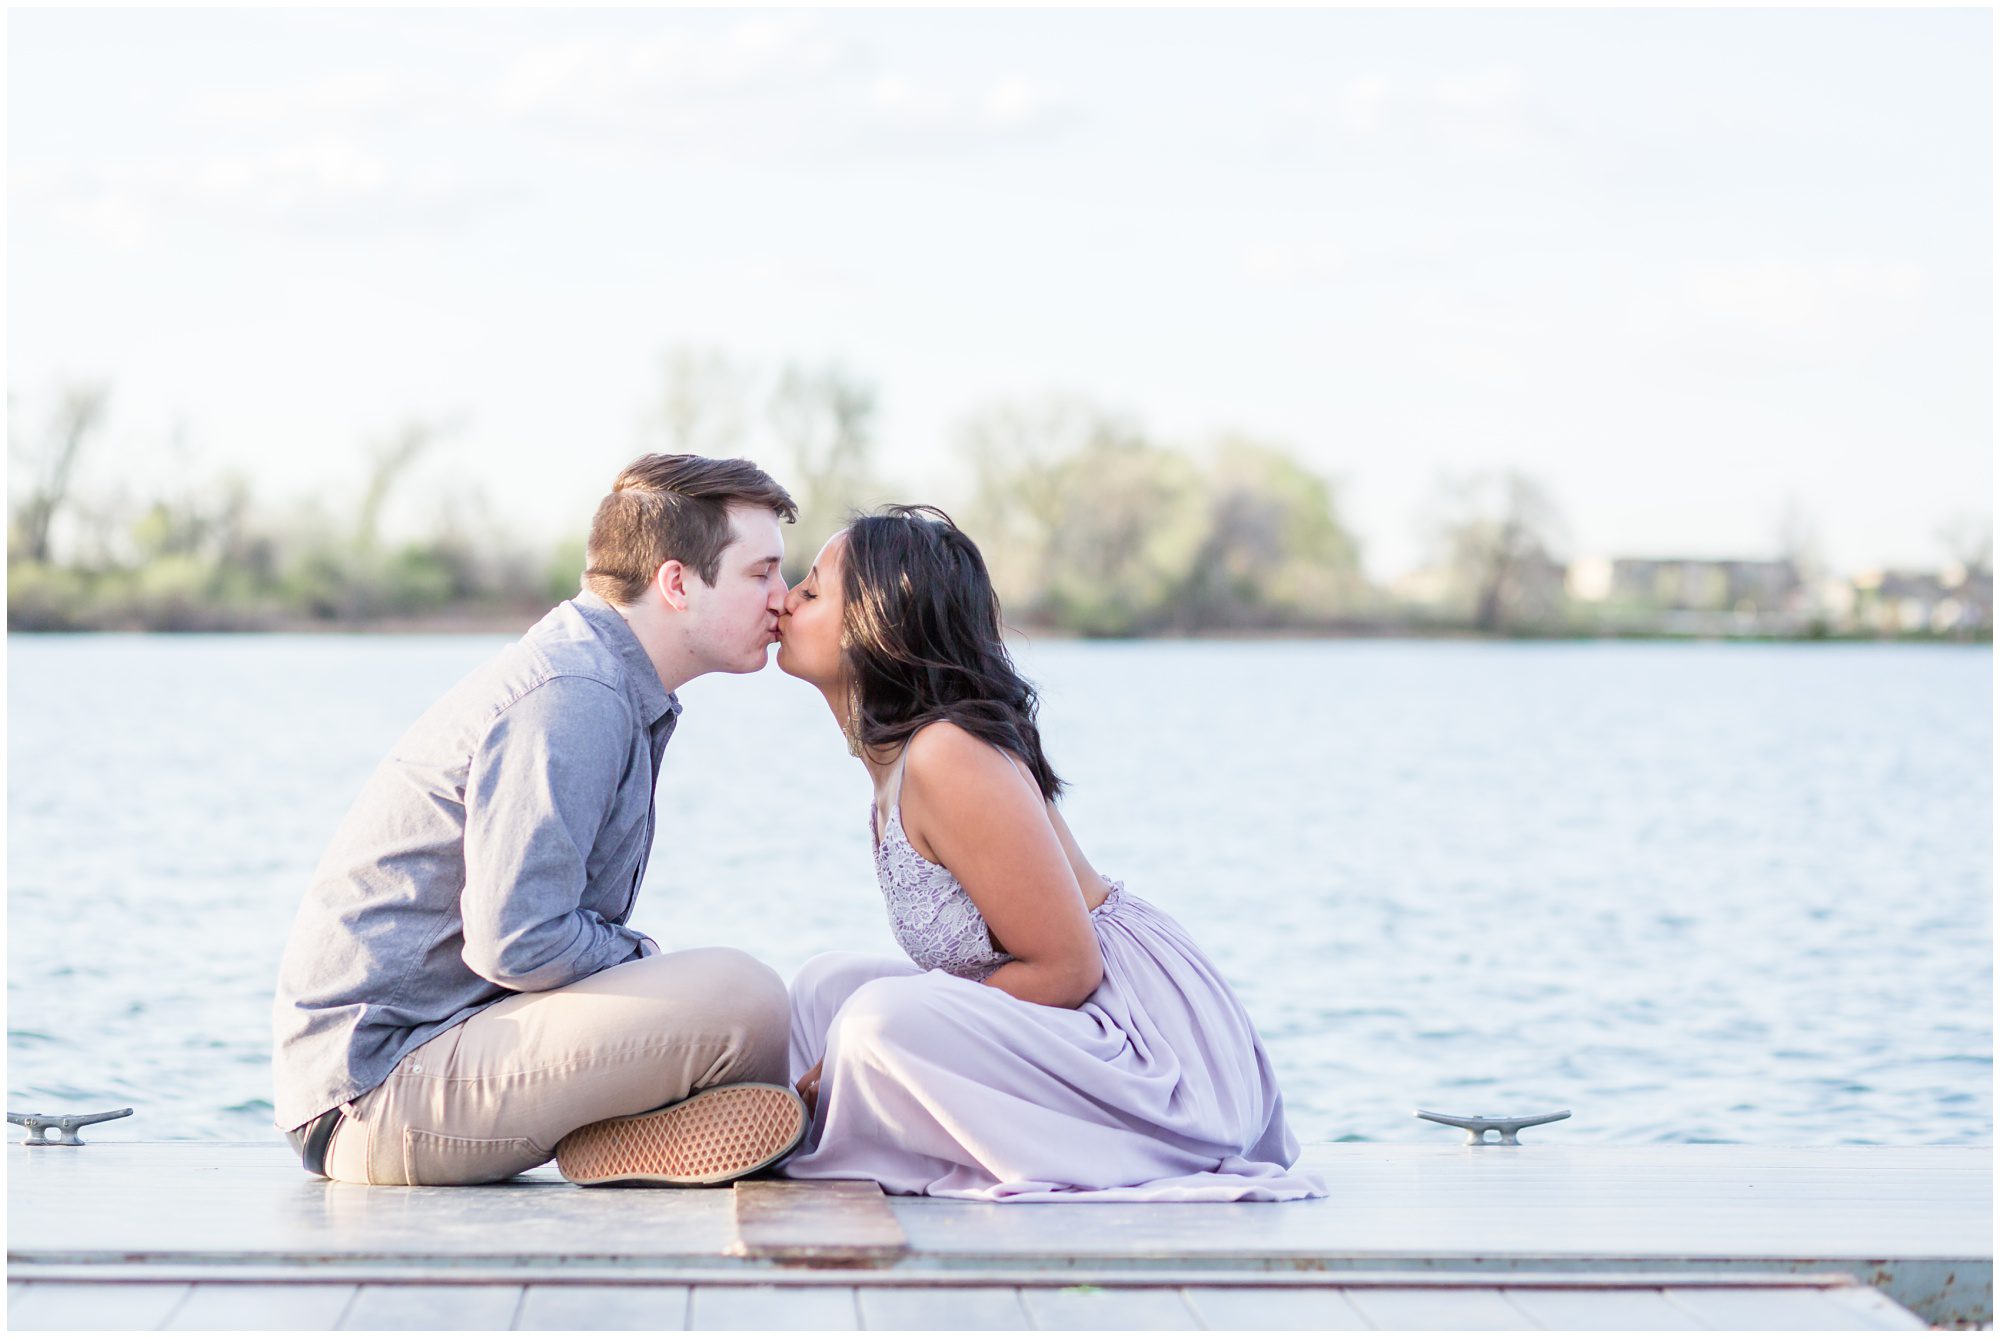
point(671, 507)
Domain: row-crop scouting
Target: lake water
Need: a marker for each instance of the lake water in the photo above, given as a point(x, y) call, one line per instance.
point(1691, 892)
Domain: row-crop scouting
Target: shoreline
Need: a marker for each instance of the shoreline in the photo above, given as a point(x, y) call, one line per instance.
point(513, 624)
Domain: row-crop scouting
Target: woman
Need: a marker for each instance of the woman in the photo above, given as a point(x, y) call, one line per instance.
point(1053, 1036)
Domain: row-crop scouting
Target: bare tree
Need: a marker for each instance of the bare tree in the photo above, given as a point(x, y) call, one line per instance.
point(701, 406)
point(1276, 550)
point(1799, 542)
point(1014, 447)
point(80, 410)
point(824, 422)
point(1499, 532)
point(389, 461)
point(1967, 539)
point(1020, 453)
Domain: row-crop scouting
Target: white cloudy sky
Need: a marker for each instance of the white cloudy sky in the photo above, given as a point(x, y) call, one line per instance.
point(1684, 265)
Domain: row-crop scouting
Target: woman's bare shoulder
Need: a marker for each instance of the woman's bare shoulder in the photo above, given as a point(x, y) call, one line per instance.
point(947, 760)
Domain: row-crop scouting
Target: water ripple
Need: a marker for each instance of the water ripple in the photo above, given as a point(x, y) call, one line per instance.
point(1694, 894)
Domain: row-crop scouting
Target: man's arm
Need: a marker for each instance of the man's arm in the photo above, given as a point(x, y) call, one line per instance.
point(539, 788)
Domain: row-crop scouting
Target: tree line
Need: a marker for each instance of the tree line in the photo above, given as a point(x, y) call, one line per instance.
point(1090, 524)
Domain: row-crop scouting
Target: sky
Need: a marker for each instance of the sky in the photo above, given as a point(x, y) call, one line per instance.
point(1688, 267)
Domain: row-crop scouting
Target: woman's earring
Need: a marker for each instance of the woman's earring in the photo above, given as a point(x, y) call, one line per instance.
point(853, 726)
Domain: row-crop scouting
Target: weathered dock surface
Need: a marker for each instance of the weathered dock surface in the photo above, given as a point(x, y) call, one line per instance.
point(215, 1235)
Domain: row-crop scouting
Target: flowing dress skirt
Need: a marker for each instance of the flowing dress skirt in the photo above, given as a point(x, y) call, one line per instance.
point(1155, 1089)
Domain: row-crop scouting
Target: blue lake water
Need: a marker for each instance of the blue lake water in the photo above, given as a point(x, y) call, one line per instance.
point(1691, 892)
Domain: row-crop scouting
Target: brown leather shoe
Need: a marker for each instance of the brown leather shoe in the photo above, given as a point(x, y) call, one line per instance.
point(717, 1135)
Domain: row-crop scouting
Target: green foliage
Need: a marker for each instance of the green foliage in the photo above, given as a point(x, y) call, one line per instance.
point(1275, 551)
point(46, 598)
point(562, 576)
point(1089, 526)
point(1087, 523)
point(1129, 524)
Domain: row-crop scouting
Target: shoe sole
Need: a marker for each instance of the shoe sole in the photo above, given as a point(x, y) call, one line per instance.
point(711, 1138)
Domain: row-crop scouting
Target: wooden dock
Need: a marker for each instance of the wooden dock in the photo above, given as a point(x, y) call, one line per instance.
point(220, 1235)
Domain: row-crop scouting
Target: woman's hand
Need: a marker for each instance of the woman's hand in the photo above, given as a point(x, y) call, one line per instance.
point(808, 1085)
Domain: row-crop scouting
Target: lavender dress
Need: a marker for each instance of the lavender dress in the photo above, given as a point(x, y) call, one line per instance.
point(1155, 1089)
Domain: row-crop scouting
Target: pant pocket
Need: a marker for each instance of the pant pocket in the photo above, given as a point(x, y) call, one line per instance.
point(447, 1159)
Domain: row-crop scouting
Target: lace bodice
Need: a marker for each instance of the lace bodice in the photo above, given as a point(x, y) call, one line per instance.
point(930, 914)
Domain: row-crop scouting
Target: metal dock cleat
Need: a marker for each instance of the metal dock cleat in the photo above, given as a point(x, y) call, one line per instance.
point(1478, 1126)
point(63, 1127)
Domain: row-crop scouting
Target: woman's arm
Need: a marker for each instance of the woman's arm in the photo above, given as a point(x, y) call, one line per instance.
point(968, 807)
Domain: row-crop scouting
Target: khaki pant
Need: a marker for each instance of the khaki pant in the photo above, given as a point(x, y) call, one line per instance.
point(492, 1096)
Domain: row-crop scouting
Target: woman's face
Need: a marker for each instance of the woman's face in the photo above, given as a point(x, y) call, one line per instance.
point(809, 627)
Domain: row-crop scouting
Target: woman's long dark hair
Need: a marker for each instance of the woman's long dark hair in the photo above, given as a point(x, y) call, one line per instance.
point(922, 638)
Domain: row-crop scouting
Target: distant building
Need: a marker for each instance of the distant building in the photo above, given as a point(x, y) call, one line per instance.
point(1430, 588)
point(1708, 585)
point(1955, 600)
point(1972, 592)
point(1722, 597)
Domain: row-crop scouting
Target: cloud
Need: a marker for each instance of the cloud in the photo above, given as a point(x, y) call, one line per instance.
point(597, 81)
point(1485, 112)
point(321, 182)
point(1010, 106)
point(1796, 299)
point(768, 87)
point(1745, 313)
point(377, 146)
point(1292, 264)
point(340, 98)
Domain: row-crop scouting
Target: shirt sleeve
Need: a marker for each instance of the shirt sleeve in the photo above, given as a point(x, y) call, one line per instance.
point(540, 786)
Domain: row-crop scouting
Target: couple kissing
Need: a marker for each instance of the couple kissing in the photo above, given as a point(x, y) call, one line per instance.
point(461, 998)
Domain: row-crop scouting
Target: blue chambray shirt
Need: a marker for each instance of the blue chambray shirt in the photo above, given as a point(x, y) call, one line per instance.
point(497, 850)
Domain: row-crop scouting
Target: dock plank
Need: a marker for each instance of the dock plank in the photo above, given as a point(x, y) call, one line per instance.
point(239, 1305)
point(1688, 1202)
point(1428, 1308)
point(563, 1306)
point(425, 1306)
point(85, 1305)
point(1767, 1309)
point(1875, 1309)
point(816, 1221)
point(1120, 1308)
point(768, 1307)
point(1915, 1222)
point(1274, 1308)
point(1601, 1309)
point(887, 1308)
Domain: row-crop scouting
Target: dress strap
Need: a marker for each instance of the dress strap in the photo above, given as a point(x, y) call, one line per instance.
point(896, 777)
point(878, 821)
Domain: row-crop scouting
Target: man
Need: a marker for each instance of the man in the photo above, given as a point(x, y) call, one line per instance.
point(461, 996)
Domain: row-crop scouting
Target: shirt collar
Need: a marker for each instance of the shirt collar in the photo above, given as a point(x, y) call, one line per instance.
point(654, 699)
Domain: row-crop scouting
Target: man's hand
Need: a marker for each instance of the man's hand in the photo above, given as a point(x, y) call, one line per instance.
point(808, 1085)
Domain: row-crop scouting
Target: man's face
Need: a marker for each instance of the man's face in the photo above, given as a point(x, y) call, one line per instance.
point(731, 624)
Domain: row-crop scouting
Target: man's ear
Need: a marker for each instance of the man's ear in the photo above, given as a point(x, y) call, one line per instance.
point(671, 583)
